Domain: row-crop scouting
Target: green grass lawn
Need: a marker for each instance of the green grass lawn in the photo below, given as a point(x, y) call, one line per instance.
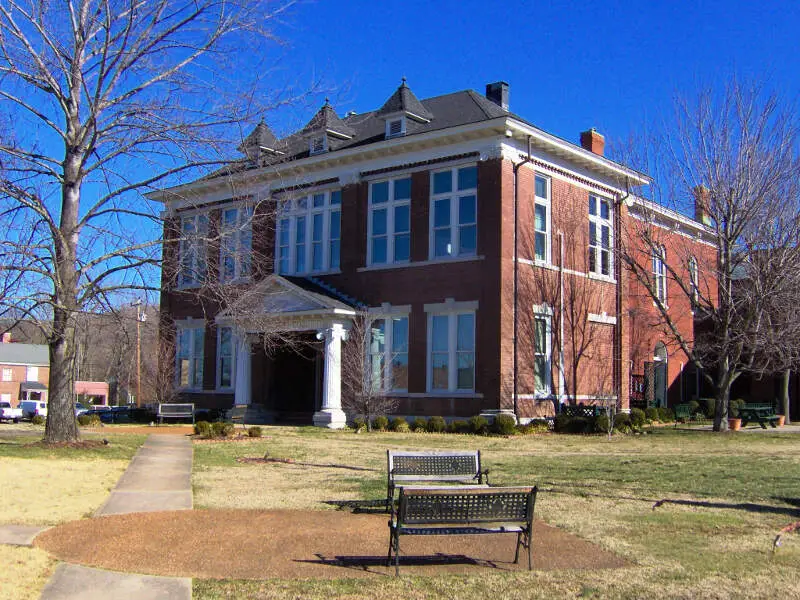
point(728, 496)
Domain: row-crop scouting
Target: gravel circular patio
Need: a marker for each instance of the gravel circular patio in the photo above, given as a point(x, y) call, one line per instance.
point(249, 544)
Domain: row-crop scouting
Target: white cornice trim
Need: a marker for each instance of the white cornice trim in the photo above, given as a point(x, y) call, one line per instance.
point(670, 219)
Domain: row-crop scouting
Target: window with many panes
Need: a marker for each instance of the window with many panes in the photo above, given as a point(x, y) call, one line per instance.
point(600, 235)
point(660, 273)
point(226, 356)
point(541, 223)
point(454, 213)
point(451, 352)
point(542, 352)
point(388, 353)
point(236, 244)
point(194, 233)
point(390, 221)
point(694, 283)
point(7, 374)
point(309, 233)
point(189, 356)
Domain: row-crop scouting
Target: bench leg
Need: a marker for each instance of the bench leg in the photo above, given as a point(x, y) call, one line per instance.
point(524, 540)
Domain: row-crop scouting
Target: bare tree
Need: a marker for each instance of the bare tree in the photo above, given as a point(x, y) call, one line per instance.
point(108, 99)
point(364, 372)
point(734, 155)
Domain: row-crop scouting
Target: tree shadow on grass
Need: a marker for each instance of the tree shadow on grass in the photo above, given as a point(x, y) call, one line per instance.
point(747, 506)
point(360, 506)
point(378, 564)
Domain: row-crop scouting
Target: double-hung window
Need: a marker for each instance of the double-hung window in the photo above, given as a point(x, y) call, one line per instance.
point(454, 213)
point(694, 283)
point(236, 247)
point(542, 350)
point(194, 233)
point(388, 353)
point(451, 352)
point(7, 374)
point(309, 233)
point(189, 357)
point(600, 235)
point(390, 221)
point(541, 220)
point(660, 273)
point(226, 357)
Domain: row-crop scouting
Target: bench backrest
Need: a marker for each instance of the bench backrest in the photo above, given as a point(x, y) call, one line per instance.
point(433, 465)
point(466, 505)
point(683, 411)
point(175, 410)
point(757, 406)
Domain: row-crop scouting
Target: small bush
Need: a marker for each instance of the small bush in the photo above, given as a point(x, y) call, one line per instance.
point(694, 407)
point(89, 421)
point(459, 426)
point(534, 427)
point(478, 425)
point(254, 432)
point(37, 420)
point(359, 424)
point(651, 412)
point(420, 424)
point(734, 407)
point(637, 418)
point(504, 425)
point(566, 424)
point(380, 423)
point(708, 406)
point(202, 428)
point(666, 415)
point(436, 425)
point(602, 423)
point(623, 421)
point(220, 429)
point(399, 425)
point(561, 423)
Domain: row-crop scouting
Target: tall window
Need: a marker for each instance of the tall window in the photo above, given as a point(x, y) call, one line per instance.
point(236, 230)
point(32, 374)
point(189, 357)
point(451, 352)
point(542, 353)
point(309, 233)
point(454, 213)
point(225, 357)
point(694, 283)
point(660, 273)
point(7, 374)
point(390, 221)
point(194, 233)
point(388, 353)
point(542, 219)
point(600, 234)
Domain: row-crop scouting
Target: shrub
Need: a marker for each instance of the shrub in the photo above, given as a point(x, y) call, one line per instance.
point(220, 429)
point(602, 423)
point(436, 424)
point(359, 424)
point(420, 424)
point(202, 428)
point(89, 421)
point(504, 425)
point(478, 424)
point(708, 406)
point(37, 420)
point(380, 423)
point(566, 424)
point(561, 423)
point(694, 407)
point(666, 415)
point(637, 418)
point(651, 412)
point(623, 421)
point(735, 406)
point(399, 425)
point(460, 426)
point(534, 427)
point(254, 432)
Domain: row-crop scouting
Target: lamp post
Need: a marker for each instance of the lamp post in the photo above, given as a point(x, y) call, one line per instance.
point(140, 318)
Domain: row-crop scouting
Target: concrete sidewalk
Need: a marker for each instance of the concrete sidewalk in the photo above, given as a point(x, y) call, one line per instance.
point(158, 478)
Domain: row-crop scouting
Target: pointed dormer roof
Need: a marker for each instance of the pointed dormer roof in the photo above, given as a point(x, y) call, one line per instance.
point(327, 121)
point(403, 101)
point(260, 139)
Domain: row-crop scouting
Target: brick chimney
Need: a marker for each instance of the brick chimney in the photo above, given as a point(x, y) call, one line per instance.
point(592, 141)
point(7, 337)
point(701, 199)
point(498, 93)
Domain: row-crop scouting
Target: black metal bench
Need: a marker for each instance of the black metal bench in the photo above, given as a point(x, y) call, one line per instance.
point(462, 511)
point(433, 467)
point(175, 411)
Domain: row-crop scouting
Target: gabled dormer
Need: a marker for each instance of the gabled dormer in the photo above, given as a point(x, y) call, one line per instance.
point(261, 141)
point(325, 127)
point(401, 107)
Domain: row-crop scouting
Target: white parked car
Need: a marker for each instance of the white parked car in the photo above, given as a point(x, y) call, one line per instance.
point(33, 407)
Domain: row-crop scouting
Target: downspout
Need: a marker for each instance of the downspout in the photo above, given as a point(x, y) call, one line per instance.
point(561, 381)
point(618, 293)
point(517, 166)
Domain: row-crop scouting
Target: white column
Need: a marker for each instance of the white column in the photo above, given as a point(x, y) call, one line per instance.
point(331, 415)
point(242, 392)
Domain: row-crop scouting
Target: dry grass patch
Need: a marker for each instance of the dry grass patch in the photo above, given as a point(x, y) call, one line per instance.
point(47, 492)
point(24, 573)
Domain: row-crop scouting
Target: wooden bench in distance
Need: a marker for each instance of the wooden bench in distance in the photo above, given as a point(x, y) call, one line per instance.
point(433, 467)
point(175, 411)
point(462, 510)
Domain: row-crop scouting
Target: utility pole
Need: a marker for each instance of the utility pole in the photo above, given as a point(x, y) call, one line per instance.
point(140, 318)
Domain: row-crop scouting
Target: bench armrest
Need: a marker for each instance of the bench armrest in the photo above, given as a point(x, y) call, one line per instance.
point(482, 476)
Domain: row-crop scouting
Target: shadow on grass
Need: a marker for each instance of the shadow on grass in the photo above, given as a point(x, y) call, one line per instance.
point(360, 506)
point(371, 564)
point(748, 506)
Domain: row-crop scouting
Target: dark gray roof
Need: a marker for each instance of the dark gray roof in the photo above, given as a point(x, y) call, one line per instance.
point(326, 120)
point(24, 354)
point(32, 385)
point(261, 136)
point(404, 101)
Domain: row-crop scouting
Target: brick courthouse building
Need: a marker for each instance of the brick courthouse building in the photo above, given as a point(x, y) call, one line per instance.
point(415, 213)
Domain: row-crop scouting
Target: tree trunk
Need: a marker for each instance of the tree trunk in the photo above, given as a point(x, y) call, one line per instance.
point(785, 379)
point(723, 397)
point(61, 425)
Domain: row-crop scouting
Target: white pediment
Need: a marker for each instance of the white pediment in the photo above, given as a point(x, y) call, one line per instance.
point(287, 301)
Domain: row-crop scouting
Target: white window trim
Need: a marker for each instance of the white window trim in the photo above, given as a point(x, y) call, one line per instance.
point(546, 313)
point(32, 371)
point(244, 223)
point(312, 144)
point(401, 133)
point(547, 203)
point(599, 222)
point(189, 325)
point(387, 314)
point(694, 283)
point(10, 372)
point(451, 309)
point(185, 244)
point(454, 194)
point(232, 386)
point(659, 263)
point(308, 212)
point(391, 234)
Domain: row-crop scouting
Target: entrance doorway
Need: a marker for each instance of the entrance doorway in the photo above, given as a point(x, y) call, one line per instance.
point(291, 381)
point(660, 375)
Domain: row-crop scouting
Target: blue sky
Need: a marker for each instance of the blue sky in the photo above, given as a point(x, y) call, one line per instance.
point(571, 66)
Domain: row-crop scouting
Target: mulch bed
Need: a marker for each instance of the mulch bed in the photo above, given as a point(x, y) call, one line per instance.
point(254, 544)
